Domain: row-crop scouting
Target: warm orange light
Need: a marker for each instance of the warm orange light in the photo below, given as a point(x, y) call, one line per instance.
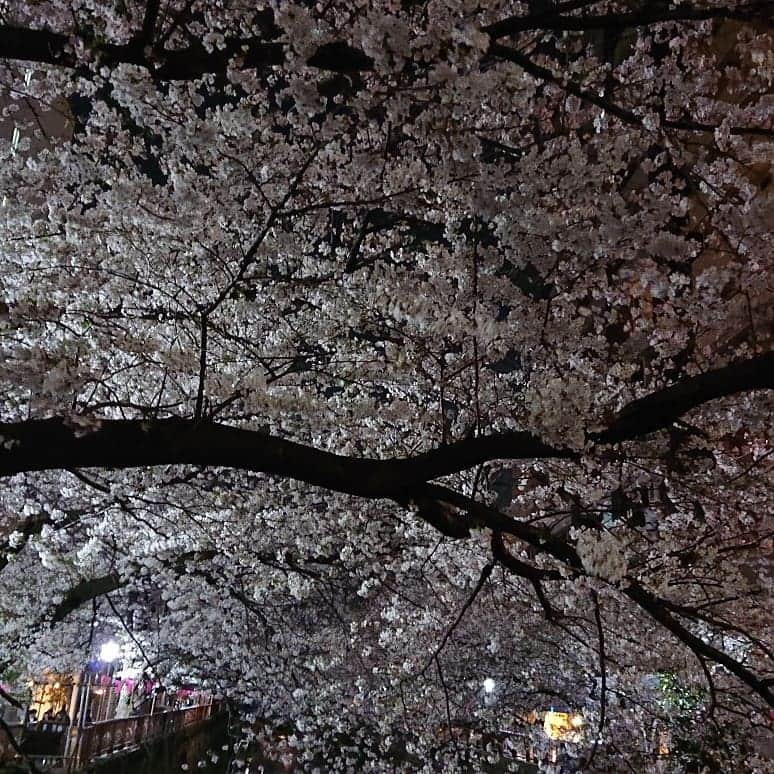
point(563, 726)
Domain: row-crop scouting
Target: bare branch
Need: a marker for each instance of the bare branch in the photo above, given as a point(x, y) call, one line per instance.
point(603, 673)
point(485, 573)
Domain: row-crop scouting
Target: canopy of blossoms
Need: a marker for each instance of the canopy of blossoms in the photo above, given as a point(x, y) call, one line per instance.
point(356, 353)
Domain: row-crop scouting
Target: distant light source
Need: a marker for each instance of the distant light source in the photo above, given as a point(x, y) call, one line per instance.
point(110, 651)
point(489, 685)
point(564, 726)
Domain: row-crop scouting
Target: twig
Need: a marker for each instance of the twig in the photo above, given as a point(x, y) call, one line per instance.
point(485, 573)
point(446, 697)
point(710, 687)
point(202, 367)
point(249, 257)
point(128, 631)
point(603, 670)
point(624, 115)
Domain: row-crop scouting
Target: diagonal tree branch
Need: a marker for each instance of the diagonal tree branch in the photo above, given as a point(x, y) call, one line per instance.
point(623, 114)
point(648, 16)
point(657, 610)
point(84, 592)
point(658, 410)
point(482, 579)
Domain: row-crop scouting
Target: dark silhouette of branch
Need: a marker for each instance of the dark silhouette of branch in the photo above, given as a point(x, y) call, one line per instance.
point(257, 52)
point(49, 444)
point(654, 607)
point(83, 592)
point(517, 567)
point(202, 368)
point(710, 713)
point(149, 20)
point(193, 61)
point(12, 700)
point(623, 114)
point(485, 573)
point(658, 410)
point(551, 20)
point(446, 698)
point(535, 575)
point(56, 444)
point(128, 630)
point(603, 673)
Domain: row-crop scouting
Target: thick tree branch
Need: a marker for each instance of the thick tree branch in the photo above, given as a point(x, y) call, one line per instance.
point(51, 444)
point(49, 47)
point(85, 591)
point(658, 410)
point(149, 20)
point(517, 567)
point(654, 607)
point(53, 48)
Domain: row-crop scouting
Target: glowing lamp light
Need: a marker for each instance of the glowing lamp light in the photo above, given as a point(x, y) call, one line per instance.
point(489, 685)
point(564, 726)
point(110, 651)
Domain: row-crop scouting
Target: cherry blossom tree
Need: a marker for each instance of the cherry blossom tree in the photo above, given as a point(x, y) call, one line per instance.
point(354, 353)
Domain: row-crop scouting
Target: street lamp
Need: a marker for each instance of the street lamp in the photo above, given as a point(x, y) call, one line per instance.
point(110, 651)
point(489, 692)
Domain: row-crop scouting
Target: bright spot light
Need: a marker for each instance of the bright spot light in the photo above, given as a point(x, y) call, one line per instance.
point(110, 651)
point(489, 685)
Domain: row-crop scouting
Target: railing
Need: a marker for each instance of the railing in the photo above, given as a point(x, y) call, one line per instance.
point(108, 737)
point(44, 742)
point(112, 736)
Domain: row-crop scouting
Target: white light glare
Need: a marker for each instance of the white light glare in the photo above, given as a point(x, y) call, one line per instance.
point(110, 651)
point(489, 685)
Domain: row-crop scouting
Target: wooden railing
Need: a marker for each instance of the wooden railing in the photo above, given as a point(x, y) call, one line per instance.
point(112, 736)
point(108, 737)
